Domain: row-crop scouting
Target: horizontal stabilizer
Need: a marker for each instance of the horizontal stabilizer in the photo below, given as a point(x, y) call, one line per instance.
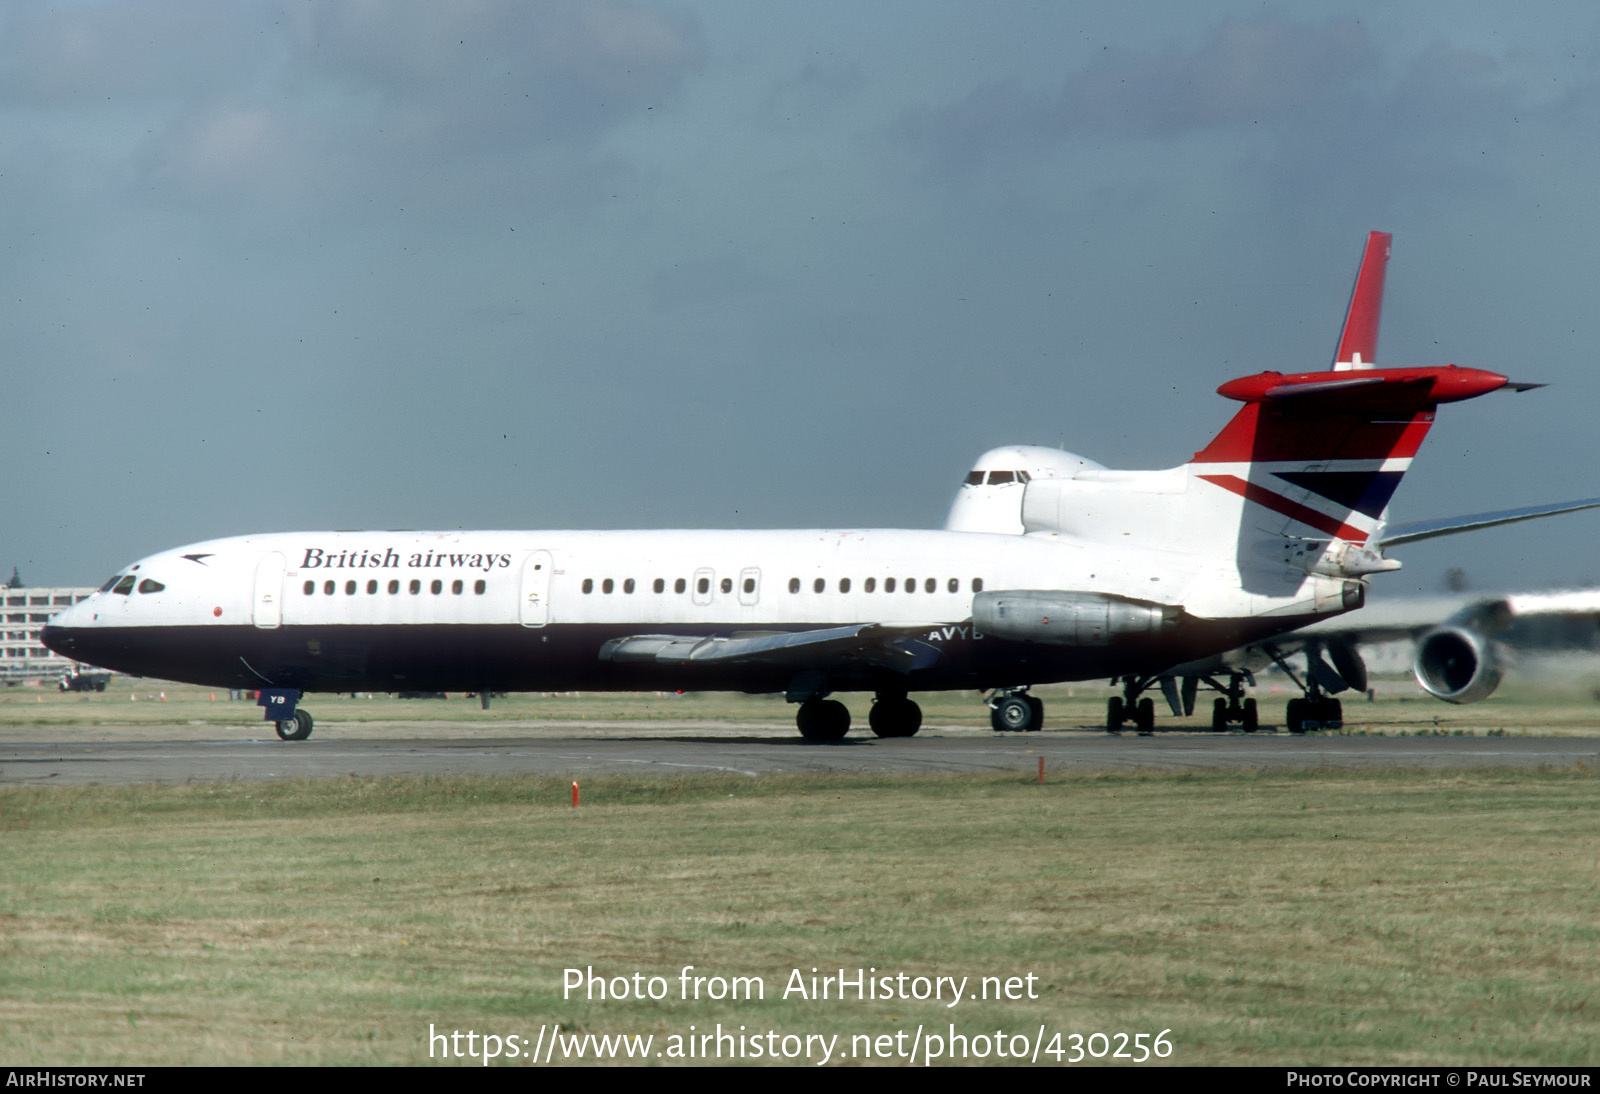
point(1431, 529)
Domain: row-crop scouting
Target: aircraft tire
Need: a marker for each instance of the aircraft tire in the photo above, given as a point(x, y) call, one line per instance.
point(895, 718)
point(1252, 718)
point(1294, 716)
point(823, 720)
point(1037, 722)
point(1219, 716)
point(297, 728)
point(1115, 714)
point(1145, 717)
point(1013, 714)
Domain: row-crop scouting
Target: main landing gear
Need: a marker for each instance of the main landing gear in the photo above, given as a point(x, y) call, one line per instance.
point(1013, 710)
point(823, 719)
point(1319, 709)
point(1230, 708)
point(1128, 707)
point(894, 716)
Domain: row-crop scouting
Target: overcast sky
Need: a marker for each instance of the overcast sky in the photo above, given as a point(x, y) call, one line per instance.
point(509, 264)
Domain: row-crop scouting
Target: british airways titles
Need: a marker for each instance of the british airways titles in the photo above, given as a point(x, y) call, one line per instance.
point(318, 559)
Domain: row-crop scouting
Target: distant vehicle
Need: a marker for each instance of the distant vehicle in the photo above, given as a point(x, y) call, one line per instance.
point(1276, 523)
point(85, 680)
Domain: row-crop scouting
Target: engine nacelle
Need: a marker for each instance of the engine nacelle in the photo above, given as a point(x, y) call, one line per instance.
point(1071, 619)
point(1457, 664)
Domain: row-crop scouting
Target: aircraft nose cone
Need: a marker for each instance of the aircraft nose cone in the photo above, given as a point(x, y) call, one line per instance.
point(58, 638)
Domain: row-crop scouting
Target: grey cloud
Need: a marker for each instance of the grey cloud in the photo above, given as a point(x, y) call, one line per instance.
point(317, 107)
point(54, 55)
point(465, 76)
point(1250, 70)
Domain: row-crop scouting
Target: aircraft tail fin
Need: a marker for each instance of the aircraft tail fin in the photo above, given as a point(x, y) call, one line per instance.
point(1358, 341)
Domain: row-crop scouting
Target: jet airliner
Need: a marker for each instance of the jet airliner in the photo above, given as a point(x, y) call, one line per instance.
point(1054, 569)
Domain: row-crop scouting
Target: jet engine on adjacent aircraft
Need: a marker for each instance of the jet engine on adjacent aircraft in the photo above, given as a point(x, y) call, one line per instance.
point(1071, 619)
point(1457, 664)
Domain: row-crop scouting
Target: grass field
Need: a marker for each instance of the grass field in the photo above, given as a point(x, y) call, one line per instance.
point(1391, 918)
point(1320, 918)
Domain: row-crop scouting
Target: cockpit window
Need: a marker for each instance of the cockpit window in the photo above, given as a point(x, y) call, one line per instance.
point(114, 579)
point(974, 478)
point(125, 586)
point(1001, 476)
point(150, 585)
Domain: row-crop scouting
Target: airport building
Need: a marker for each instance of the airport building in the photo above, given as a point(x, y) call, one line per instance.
point(22, 617)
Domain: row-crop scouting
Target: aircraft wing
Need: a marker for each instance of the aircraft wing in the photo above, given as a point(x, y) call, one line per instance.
point(867, 645)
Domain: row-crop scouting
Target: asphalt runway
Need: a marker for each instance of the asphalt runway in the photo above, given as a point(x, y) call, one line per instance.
point(690, 750)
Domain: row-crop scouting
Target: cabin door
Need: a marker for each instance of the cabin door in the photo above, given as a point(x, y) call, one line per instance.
point(534, 602)
point(266, 609)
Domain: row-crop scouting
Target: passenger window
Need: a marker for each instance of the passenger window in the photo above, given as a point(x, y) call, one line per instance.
point(627, 586)
point(870, 584)
point(436, 587)
point(416, 586)
point(818, 585)
point(328, 587)
point(588, 584)
point(310, 587)
point(350, 588)
point(679, 585)
point(704, 585)
point(930, 585)
point(372, 587)
point(844, 584)
point(394, 586)
point(660, 586)
point(150, 585)
point(794, 584)
point(749, 585)
point(977, 584)
point(955, 585)
point(888, 584)
point(456, 586)
point(607, 586)
point(727, 585)
point(911, 584)
point(480, 586)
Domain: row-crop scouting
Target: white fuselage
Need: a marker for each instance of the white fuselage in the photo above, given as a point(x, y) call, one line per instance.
point(349, 610)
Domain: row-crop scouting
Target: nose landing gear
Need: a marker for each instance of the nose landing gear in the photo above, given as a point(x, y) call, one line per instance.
point(279, 708)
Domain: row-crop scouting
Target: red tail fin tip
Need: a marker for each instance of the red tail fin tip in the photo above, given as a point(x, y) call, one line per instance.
point(1358, 342)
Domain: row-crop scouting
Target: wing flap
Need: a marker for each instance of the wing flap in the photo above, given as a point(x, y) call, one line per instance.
point(874, 645)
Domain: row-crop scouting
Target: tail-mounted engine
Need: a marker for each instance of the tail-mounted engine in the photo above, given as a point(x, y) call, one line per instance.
point(1072, 619)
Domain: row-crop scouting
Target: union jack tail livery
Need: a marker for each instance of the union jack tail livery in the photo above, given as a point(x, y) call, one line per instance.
point(1288, 503)
point(1316, 455)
